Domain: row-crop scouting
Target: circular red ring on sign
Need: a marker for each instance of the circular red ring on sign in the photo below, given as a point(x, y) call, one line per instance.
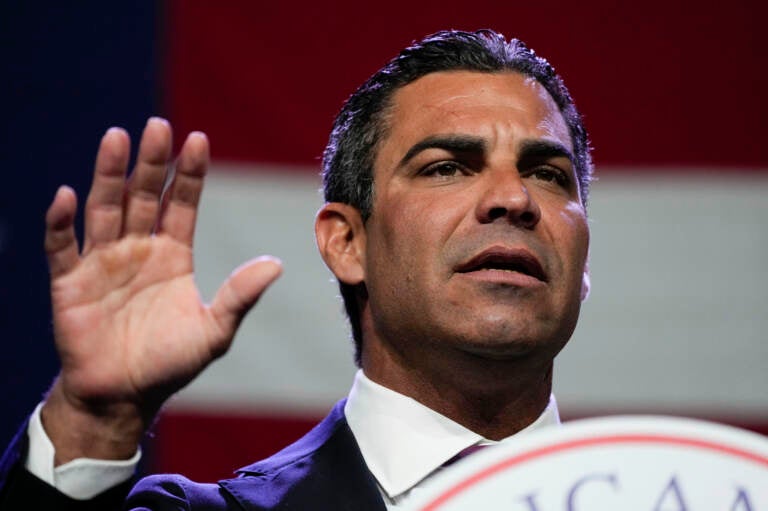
point(589, 442)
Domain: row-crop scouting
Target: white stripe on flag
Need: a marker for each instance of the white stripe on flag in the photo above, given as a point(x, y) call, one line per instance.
point(677, 316)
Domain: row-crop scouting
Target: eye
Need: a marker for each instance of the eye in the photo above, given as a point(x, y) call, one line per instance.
point(444, 169)
point(550, 174)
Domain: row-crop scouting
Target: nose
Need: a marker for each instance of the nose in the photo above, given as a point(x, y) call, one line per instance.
point(505, 197)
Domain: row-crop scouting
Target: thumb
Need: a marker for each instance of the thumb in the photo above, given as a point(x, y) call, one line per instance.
point(242, 290)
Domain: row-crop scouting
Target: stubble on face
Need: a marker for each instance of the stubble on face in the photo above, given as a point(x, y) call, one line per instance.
point(431, 216)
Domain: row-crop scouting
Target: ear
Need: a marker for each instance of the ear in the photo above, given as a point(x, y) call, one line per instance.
point(340, 236)
point(585, 282)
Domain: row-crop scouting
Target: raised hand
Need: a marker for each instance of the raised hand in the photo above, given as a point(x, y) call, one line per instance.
point(129, 324)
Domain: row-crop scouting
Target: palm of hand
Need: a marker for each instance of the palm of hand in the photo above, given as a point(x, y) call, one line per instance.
point(129, 322)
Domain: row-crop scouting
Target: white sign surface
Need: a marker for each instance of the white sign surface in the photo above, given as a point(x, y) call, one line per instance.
point(619, 463)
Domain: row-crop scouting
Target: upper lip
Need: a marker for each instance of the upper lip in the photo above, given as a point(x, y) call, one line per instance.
point(516, 259)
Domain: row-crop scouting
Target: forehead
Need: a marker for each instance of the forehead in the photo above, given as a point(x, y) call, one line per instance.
point(501, 107)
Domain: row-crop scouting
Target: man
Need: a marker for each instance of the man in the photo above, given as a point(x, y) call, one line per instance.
point(455, 182)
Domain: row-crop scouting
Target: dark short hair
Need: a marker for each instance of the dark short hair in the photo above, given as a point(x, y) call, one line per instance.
point(361, 123)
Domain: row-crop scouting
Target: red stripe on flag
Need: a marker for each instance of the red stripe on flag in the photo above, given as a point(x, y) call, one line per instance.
point(676, 82)
point(208, 447)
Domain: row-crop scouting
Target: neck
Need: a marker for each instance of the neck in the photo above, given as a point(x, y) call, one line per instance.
point(494, 398)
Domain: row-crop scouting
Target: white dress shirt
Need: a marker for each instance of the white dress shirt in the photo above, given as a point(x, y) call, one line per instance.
point(402, 441)
point(81, 478)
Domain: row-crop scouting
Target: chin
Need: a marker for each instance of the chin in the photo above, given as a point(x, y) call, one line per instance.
point(505, 350)
point(503, 340)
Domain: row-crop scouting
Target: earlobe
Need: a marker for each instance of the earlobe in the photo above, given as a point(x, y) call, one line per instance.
point(340, 236)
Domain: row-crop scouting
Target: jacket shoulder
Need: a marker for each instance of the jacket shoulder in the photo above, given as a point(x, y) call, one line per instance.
point(285, 480)
point(175, 492)
point(303, 448)
point(324, 470)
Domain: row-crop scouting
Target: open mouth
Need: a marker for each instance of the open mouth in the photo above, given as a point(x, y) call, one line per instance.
point(506, 260)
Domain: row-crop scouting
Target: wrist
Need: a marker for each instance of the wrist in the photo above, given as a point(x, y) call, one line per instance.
point(105, 431)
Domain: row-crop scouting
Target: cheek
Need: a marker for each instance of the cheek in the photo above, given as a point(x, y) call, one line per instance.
point(398, 254)
point(390, 251)
point(566, 232)
point(574, 233)
point(417, 222)
point(580, 229)
point(413, 232)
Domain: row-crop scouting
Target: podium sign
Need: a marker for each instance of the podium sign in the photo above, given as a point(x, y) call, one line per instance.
point(610, 464)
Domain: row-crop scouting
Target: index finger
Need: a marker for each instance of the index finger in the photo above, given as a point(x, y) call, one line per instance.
point(104, 206)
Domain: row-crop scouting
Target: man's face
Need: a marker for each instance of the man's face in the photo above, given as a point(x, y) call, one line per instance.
point(477, 239)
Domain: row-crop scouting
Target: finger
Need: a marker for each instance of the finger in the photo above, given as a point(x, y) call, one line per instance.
point(146, 182)
point(60, 241)
point(240, 292)
point(180, 212)
point(104, 207)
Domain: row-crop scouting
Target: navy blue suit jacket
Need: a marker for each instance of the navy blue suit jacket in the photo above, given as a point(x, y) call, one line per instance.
point(323, 470)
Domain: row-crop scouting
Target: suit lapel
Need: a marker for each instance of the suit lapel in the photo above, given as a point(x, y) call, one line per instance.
point(324, 470)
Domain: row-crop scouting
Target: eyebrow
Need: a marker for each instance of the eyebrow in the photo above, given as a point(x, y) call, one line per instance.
point(450, 143)
point(543, 149)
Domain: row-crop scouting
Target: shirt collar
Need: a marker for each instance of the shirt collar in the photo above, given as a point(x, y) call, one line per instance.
point(403, 441)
